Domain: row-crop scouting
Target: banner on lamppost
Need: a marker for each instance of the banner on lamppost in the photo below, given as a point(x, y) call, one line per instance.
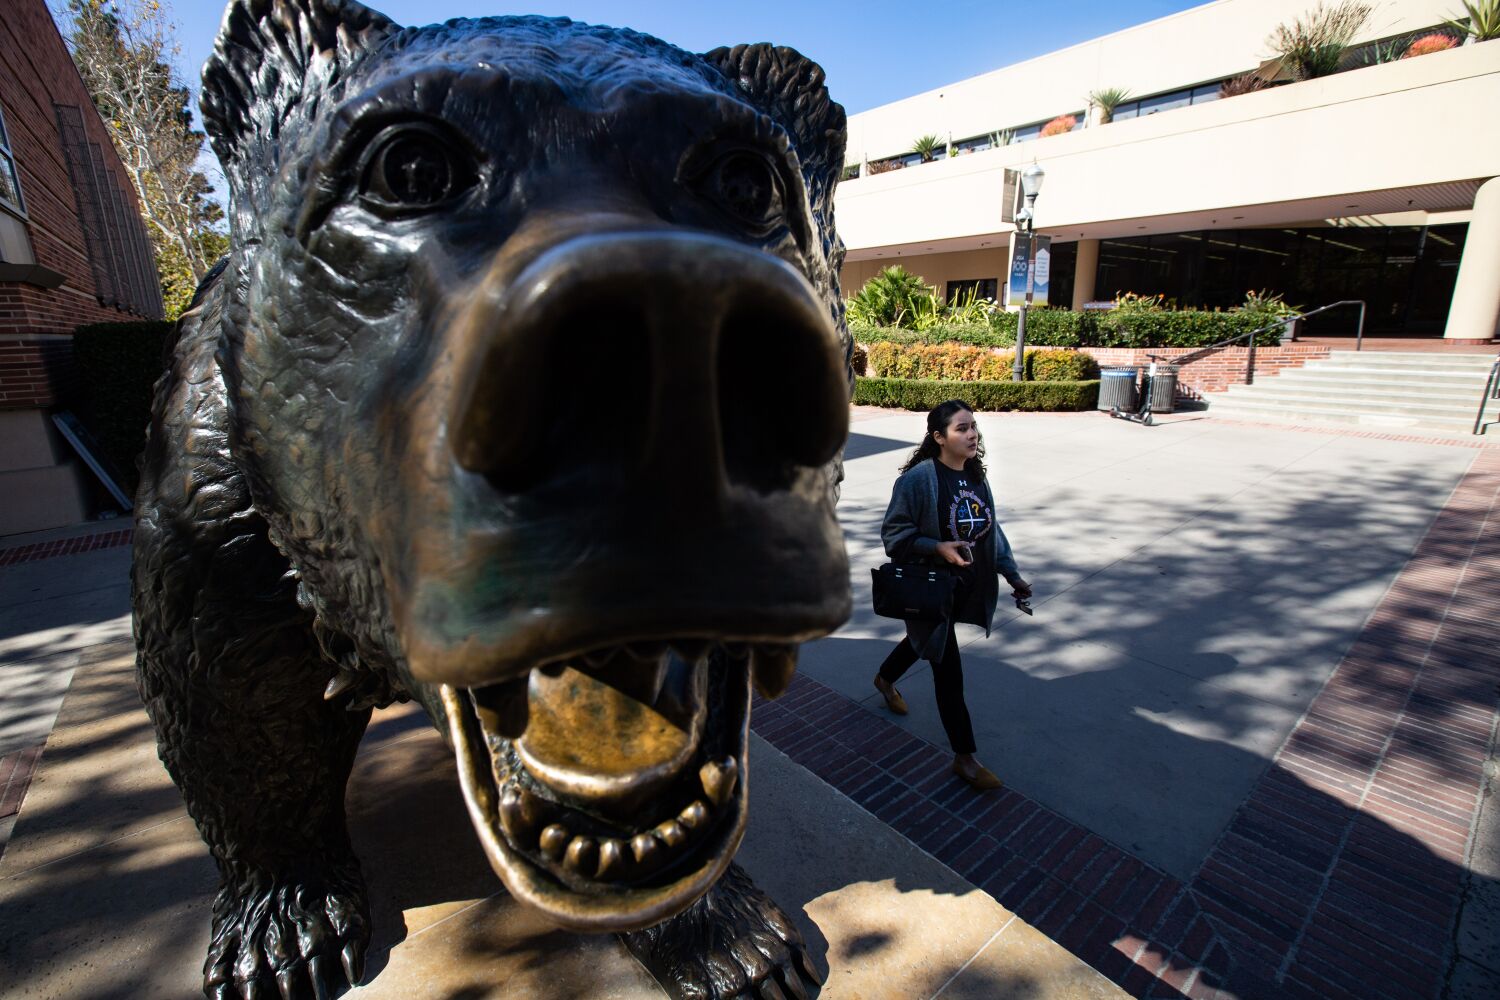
point(1040, 271)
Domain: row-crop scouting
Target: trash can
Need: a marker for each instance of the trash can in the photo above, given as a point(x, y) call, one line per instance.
point(1117, 389)
point(1164, 389)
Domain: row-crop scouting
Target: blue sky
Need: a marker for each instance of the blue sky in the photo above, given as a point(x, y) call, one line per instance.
point(874, 52)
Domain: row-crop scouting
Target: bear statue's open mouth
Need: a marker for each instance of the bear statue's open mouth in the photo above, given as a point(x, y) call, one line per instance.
point(609, 787)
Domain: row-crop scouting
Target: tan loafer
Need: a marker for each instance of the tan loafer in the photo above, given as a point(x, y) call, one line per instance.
point(982, 779)
point(893, 699)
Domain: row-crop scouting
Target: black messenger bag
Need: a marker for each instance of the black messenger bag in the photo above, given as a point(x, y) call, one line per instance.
point(913, 592)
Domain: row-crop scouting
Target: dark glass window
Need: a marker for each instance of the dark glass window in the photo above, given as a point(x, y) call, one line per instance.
point(1404, 274)
point(10, 179)
point(981, 288)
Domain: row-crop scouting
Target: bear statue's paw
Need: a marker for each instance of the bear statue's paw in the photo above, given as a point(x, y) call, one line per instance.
point(288, 940)
point(733, 943)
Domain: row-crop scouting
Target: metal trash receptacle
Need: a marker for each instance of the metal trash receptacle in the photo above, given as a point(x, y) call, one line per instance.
point(1117, 389)
point(1164, 389)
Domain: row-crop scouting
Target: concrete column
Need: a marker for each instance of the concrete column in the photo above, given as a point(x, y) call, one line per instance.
point(1475, 313)
point(1085, 273)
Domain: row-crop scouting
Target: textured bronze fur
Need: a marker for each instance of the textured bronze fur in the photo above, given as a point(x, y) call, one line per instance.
point(528, 345)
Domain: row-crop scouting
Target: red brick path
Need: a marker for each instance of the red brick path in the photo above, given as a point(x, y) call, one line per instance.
point(65, 546)
point(1338, 877)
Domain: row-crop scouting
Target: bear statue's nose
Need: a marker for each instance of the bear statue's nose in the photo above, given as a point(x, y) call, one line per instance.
point(701, 363)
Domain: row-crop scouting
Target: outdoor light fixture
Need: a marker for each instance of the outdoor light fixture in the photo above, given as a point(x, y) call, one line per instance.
point(1031, 186)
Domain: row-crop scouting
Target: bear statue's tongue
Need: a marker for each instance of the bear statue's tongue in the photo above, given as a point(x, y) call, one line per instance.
point(612, 734)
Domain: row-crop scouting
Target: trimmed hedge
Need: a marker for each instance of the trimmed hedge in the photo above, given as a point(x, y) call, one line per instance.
point(924, 394)
point(1065, 328)
point(118, 364)
point(971, 364)
point(973, 334)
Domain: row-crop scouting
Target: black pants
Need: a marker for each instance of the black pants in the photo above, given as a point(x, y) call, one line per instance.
point(947, 681)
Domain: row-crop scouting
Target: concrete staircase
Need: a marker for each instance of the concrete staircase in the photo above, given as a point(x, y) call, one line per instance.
point(1427, 393)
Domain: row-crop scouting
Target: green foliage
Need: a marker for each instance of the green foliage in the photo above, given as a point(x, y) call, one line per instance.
point(1313, 45)
point(962, 363)
point(1139, 322)
point(1108, 99)
point(1266, 307)
point(1480, 20)
point(924, 394)
point(1045, 327)
point(974, 334)
point(1060, 366)
point(119, 364)
point(927, 146)
point(894, 297)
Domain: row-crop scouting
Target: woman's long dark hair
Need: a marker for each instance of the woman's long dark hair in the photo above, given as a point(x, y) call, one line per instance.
point(938, 419)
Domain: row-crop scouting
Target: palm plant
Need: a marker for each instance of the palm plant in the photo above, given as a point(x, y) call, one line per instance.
point(894, 297)
point(1314, 45)
point(927, 146)
point(1480, 20)
point(1107, 100)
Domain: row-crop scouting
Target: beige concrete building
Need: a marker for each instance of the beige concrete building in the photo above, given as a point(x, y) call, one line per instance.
point(1375, 183)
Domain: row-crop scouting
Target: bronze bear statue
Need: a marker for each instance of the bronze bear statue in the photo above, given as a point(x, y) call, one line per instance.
point(522, 392)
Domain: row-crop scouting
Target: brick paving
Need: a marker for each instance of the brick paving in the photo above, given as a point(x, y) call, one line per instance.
point(65, 546)
point(1339, 876)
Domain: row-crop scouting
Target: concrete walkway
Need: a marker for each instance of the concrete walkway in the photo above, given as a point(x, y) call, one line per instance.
point(1244, 738)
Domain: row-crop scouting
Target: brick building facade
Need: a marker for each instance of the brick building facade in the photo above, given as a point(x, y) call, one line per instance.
point(73, 250)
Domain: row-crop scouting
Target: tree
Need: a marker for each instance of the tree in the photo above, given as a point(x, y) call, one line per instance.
point(125, 51)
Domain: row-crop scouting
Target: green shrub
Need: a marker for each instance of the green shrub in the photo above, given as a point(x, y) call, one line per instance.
point(1046, 327)
point(924, 394)
point(968, 364)
point(973, 334)
point(1137, 326)
point(894, 297)
point(1060, 366)
point(118, 364)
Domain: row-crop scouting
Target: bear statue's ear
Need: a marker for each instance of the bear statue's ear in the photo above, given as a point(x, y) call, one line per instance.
point(789, 87)
point(269, 56)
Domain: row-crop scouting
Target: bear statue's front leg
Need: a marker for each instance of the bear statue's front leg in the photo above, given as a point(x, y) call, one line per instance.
point(734, 942)
point(232, 677)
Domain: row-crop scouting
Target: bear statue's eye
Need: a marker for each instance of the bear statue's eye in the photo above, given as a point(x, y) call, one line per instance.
point(414, 167)
point(747, 186)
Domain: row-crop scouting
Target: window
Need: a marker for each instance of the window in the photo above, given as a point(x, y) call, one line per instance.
point(10, 180)
point(980, 288)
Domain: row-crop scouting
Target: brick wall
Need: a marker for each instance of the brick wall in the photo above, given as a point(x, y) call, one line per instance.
point(1216, 372)
point(36, 72)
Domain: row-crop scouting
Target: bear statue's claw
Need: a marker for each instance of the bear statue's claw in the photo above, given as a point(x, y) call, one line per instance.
point(287, 943)
point(733, 944)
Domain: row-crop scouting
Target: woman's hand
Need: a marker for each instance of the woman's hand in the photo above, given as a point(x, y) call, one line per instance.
point(956, 553)
point(1020, 587)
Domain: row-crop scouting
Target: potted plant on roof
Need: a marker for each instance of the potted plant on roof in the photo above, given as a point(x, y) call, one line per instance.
point(1314, 45)
point(1480, 21)
point(1106, 100)
point(926, 147)
point(1059, 125)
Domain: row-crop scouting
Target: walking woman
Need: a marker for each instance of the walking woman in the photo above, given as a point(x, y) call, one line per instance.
point(942, 511)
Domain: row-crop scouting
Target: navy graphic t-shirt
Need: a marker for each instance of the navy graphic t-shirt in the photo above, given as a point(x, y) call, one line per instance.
point(964, 515)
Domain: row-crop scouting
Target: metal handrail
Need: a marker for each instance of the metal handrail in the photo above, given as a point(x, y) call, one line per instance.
point(1285, 323)
point(1491, 391)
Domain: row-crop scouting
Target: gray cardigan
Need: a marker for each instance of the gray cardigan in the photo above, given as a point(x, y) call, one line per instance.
point(911, 531)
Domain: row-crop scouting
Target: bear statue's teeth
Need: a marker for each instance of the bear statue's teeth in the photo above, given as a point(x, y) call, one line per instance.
point(718, 779)
point(554, 841)
point(582, 856)
point(522, 813)
point(608, 859)
point(772, 666)
point(614, 862)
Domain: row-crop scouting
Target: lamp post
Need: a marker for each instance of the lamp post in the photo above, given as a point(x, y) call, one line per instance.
point(1031, 186)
